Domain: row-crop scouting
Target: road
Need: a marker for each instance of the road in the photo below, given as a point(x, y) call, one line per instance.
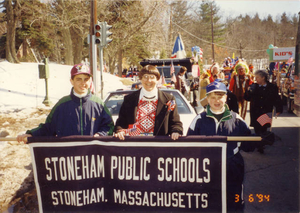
point(272, 179)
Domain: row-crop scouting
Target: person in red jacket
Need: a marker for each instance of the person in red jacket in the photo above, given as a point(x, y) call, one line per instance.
point(216, 72)
point(239, 83)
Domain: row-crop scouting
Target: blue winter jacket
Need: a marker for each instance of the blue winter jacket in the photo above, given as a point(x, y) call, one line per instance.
point(76, 116)
point(231, 124)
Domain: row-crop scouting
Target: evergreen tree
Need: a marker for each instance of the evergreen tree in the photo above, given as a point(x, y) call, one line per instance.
point(286, 32)
point(210, 27)
point(181, 22)
point(130, 37)
point(72, 20)
point(35, 29)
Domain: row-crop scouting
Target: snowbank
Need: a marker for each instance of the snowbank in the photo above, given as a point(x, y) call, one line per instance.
point(20, 86)
point(21, 108)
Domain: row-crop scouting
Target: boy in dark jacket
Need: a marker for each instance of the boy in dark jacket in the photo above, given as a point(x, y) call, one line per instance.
point(219, 120)
point(79, 113)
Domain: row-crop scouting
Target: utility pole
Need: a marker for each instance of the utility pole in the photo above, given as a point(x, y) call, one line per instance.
point(212, 32)
point(241, 55)
point(170, 33)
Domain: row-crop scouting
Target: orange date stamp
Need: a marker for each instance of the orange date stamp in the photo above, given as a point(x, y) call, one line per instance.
point(259, 198)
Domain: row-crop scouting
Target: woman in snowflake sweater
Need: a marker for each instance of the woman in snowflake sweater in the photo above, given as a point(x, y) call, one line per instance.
point(148, 111)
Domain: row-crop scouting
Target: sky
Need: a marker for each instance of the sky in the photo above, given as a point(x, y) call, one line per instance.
point(263, 8)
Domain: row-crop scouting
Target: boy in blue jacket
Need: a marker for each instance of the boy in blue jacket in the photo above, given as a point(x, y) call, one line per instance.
point(217, 119)
point(80, 113)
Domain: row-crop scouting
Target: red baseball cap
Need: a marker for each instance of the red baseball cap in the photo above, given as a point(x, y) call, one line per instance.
point(80, 69)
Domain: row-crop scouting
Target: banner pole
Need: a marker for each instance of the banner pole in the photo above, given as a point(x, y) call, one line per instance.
point(3, 139)
point(273, 112)
point(245, 138)
point(8, 139)
point(229, 138)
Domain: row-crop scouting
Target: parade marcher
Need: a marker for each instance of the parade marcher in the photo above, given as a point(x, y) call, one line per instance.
point(149, 111)
point(124, 73)
point(231, 100)
point(79, 113)
point(274, 76)
point(194, 87)
point(263, 96)
point(180, 80)
point(251, 72)
point(217, 119)
point(203, 83)
point(227, 63)
point(239, 83)
point(215, 70)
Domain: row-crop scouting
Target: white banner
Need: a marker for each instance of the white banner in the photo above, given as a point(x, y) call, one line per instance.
point(283, 53)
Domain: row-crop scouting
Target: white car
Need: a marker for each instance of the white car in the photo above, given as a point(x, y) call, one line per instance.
point(114, 100)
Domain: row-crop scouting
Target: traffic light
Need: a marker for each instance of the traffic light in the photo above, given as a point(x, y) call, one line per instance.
point(105, 38)
point(98, 33)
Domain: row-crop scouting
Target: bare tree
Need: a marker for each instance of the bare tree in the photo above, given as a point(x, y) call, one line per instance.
point(72, 21)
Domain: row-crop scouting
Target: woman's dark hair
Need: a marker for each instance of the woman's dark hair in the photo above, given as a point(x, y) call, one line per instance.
point(262, 73)
point(149, 69)
point(182, 69)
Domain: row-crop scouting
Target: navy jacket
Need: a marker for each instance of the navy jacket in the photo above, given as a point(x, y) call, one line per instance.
point(76, 116)
point(231, 124)
point(262, 100)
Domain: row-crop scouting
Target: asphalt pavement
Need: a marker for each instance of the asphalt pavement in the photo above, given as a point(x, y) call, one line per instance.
point(272, 178)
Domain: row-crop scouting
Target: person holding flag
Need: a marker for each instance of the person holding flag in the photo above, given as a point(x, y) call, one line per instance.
point(217, 119)
point(263, 97)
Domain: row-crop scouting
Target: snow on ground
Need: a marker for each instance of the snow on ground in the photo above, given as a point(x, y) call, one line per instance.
point(20, 86)
point(21, 108)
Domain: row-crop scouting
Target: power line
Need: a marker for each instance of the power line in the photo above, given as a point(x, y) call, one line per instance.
point(205, 41)
point(215, 43)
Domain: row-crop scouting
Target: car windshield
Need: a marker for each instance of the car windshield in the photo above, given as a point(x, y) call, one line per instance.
point(115, 100)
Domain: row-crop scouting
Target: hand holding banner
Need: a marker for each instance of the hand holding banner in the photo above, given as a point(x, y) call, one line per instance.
point(146, 176)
